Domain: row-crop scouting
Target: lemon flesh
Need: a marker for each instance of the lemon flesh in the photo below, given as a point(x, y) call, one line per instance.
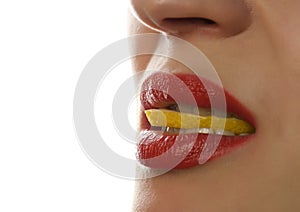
point(174, 119)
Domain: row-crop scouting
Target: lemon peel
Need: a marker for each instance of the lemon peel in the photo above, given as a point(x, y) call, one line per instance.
point(174, 119)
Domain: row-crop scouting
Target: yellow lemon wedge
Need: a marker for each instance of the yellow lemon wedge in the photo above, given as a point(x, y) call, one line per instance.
point(174, 119)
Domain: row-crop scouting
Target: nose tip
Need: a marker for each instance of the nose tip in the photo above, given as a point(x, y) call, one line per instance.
point(221, 18)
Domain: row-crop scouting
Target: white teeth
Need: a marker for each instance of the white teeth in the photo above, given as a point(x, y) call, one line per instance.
point(225, 132)
point(244, 134)
point(172, 130)
point(202, 131)
point(189, 131)
point(206, 131)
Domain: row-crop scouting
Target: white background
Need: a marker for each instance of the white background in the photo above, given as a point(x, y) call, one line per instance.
point(44, 46)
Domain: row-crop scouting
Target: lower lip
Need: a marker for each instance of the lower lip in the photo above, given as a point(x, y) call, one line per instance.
point(154, 144)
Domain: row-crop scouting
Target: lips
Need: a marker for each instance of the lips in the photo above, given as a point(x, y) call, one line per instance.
point(187, 145)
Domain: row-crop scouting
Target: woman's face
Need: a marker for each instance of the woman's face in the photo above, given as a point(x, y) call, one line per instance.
point(255, 48)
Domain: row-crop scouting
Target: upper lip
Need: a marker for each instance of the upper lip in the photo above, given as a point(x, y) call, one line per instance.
point(158, 91)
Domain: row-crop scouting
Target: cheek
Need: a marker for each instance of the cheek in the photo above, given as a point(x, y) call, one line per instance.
point(140, 63)
point(134, 28)
point(280, 22)
point(288, 51)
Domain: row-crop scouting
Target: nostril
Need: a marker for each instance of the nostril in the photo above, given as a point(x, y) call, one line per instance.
point(191, 20)
point(184, 25)
point(208, 21)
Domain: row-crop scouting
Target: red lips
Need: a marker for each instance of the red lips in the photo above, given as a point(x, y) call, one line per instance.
point(166, 151)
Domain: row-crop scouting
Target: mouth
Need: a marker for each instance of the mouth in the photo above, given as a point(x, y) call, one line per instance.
point(179, 122)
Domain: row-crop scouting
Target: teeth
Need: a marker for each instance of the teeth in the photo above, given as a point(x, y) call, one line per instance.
point(206, 131)
point(172, 130)
point(225, 132)
point(244, 134)
point(186, 131)
point(202, 131)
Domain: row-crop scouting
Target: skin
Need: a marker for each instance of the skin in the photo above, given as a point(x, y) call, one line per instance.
point(255, 49)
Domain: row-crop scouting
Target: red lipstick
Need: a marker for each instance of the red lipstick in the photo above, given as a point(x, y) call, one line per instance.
point(164, 150)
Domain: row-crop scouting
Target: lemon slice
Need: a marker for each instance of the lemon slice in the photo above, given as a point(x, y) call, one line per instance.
point(174, 119)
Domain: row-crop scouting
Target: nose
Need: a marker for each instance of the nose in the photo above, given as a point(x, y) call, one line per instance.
point(220, 18)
